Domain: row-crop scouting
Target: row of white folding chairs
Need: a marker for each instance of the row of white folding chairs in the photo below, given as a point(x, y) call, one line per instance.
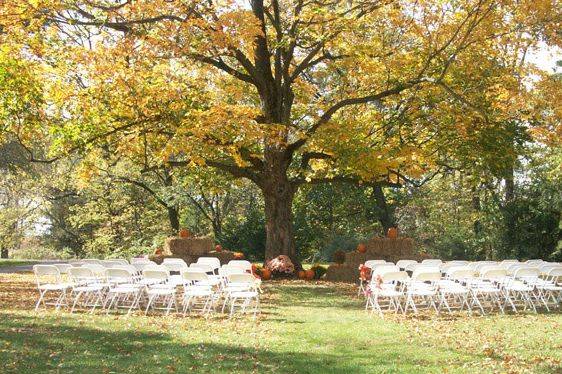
point(462, 288)
point(121, 288)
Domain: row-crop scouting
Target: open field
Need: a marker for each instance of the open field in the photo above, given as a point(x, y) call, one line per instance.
point(305, 327)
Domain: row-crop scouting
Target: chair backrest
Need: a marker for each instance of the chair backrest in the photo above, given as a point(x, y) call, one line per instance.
point(244, 264)
point(97, 269)
point(175, 265)
point(192, 275)
point(92, 261)
point(426, 275)
point(153, 267)
point(402, 264)
point(393, 276)
point(534, 262)
point(385, 268)
point(111, 263)
point(371, 263)
point(140, 266)
point(432, 261)
point(214, 262)
point(41, 270)
point(226, 270)
point(122, 261)
point(81, 274)
point(527, 272)
point(462, 273)
point(130, 268)
point(174, 260)
point(555, 272)
point(207, 268)
point(139, 260)
point(63, 268)
point(156, 274)
point(241, 279)
point(458, 262)
point(493, 272)
point(119, 275)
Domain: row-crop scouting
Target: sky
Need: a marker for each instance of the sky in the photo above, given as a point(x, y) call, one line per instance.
point(545, 57)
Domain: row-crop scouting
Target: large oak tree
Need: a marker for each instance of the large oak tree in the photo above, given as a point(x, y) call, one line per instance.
point(284, 92)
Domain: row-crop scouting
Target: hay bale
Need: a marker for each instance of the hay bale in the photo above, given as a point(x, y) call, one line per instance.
point(160, 258)
point(355, 258)
point(342, 273)
point(184, 247)
point(374, 246)
point(223, 256)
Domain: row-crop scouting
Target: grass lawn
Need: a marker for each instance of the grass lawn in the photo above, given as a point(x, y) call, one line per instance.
point(10, 262)
point(305, 327)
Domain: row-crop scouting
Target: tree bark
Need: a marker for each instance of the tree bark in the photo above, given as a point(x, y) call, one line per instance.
point(278, 195)
point(174, 219)
point(3, 252)
point(384, 211)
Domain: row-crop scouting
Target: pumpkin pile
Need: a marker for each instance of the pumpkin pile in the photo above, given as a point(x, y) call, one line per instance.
point(315, 272)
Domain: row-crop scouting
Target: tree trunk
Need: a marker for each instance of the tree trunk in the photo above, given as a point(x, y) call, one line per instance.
point(3, 252)
point(174, 219)
point(384, 211)
point(278, 195)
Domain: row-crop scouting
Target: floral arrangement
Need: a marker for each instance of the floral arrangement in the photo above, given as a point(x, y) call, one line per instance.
point(281, 265)
point(238, 255)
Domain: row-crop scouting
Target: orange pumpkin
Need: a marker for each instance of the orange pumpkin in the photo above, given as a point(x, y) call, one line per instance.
point(361, 248)
point(158, 251)
point(392, 233)
point(218, 248)
point(301, 274)
point(309, 274)
point(265, 274)
point(184, 233)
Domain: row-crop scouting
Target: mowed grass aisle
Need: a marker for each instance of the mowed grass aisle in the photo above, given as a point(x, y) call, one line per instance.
point(304, 328)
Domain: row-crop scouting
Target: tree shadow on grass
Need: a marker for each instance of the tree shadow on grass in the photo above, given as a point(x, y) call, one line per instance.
point(33, 345)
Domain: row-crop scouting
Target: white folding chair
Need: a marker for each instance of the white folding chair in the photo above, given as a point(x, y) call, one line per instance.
point(453, 292)
point(432, 262)
point(86, 284)
point(241, 291)
point(49, 280)
point(423, 286)
point(124, 292)
point(389, 287)
point(198, 291)
point(244, 264)
point(551, 289)
point(97, 269)
point(139, 260)
point(94, 261)
point(403, 264)
point(370, 263)
point(517, 290)
point(214, 262)
point(160, 294)
point(63, 268)
point(488, 287)
point(111, 263)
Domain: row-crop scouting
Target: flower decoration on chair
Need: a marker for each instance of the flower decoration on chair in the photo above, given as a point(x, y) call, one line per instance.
point(364, 272)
